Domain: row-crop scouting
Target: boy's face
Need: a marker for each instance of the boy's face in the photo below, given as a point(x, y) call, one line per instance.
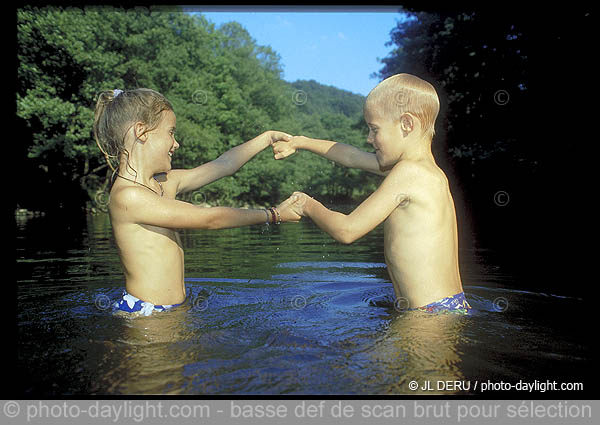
point(385, 136)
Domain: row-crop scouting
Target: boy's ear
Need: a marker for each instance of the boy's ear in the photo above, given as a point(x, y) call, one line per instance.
point(407, 123)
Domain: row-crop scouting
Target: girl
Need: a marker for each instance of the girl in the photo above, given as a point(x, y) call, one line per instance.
point(136, 128)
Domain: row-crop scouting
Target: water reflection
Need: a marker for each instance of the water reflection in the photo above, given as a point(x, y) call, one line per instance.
point(151, 352)
point(424, 348)
point(289, 311)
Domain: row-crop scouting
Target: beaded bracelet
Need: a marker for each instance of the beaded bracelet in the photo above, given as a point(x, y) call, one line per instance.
point(273, 215)
point(278, 215)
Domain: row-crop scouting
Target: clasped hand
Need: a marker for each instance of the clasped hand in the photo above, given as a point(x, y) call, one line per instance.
point(284, 145)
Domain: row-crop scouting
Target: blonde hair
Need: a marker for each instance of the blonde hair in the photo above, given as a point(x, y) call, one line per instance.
point(402, 93)
point(117, 111)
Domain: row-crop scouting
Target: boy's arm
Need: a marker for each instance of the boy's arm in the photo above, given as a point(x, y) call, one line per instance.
point(346, 155)
point(393, 191)
point(226, 164)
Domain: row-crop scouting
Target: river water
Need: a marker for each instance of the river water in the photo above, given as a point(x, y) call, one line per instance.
point(281, 310)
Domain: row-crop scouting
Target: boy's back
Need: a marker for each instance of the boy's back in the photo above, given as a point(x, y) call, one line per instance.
point(421, 238)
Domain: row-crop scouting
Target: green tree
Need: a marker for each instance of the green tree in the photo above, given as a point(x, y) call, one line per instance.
point(225, 90)
point(503, 78)
point(223, 87)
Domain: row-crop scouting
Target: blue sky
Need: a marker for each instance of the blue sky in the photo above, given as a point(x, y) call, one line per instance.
point(337, 47)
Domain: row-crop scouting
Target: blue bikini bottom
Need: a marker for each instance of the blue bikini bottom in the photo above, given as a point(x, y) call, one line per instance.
point(131, 304)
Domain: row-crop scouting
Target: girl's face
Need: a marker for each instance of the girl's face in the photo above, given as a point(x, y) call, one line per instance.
point(161, 142)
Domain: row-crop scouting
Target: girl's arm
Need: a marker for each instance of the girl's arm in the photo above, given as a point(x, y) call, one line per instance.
point(138, 205)
point(226, 164)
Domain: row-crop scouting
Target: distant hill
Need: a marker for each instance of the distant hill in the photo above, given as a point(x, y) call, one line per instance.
point(325, 112)
point(322, 99)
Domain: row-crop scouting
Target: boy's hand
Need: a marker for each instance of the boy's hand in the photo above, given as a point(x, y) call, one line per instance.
point(287, 211)
point(299, 202)
point(284, 149)
point(273, 137)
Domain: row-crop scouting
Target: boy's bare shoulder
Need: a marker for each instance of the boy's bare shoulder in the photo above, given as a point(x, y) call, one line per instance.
point(411, 170)
point(415, 177)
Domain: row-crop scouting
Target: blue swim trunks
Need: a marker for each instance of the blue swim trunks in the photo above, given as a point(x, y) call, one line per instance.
point(131, 304)
point(455, 303)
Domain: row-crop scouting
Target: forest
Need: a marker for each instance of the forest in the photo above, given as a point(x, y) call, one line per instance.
point(225, 90)
point(507, 136)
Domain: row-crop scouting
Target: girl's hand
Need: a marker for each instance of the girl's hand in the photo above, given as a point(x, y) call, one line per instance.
point(298, 202)
point(287, 211)
point(276, 136)
point(286, 148)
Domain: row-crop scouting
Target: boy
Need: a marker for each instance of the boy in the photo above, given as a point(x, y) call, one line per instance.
point(420, 230)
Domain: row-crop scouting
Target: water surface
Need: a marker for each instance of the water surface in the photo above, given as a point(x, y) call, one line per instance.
point(278, 310)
